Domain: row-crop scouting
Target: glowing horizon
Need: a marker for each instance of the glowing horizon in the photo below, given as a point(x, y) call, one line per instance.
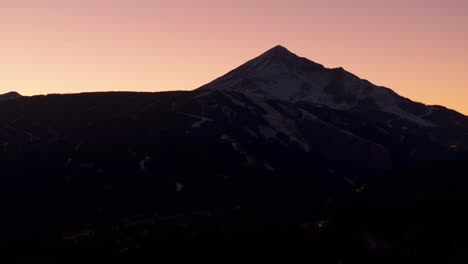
point(418, 49)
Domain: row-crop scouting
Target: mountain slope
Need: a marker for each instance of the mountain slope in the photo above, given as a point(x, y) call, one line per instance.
point(279, 75)
point(278, 151)
point(138, 169)
point(10, 96)
point(282, 75)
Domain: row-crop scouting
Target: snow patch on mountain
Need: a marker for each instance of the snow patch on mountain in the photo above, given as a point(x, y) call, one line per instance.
point(179, 187)
point(268, 167)
point(281, 123)
point(199, 123)
point(250, 159)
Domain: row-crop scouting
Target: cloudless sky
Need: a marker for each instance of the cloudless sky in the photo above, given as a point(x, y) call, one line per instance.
point(418, 48)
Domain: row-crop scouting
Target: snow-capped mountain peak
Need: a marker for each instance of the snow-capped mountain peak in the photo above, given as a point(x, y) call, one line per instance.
point(279, 54)
point(282, 75)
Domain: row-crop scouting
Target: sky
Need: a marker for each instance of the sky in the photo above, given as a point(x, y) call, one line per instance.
point(418, 48)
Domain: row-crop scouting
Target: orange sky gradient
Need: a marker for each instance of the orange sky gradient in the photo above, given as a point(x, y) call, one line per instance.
point(417, 48)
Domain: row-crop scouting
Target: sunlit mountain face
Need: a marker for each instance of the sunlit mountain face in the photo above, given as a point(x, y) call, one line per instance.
point(279, 153)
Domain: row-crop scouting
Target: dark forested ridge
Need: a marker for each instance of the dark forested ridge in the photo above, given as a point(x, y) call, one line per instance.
point(123, 175)
point(235, 169)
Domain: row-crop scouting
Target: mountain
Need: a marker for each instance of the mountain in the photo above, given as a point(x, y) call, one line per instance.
point(340, 98)
point(282, 75)
point(280, 152)
point(10, 96)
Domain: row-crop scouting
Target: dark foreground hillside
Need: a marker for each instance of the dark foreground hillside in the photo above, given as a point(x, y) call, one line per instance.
point(202, 175)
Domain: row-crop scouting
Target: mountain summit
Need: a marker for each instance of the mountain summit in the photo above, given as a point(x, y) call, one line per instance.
point(10, 96)
point(279, 50)
point(282, 75)
point(280, 54)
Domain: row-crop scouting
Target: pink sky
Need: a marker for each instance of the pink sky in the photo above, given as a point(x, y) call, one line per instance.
point(418, 48)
